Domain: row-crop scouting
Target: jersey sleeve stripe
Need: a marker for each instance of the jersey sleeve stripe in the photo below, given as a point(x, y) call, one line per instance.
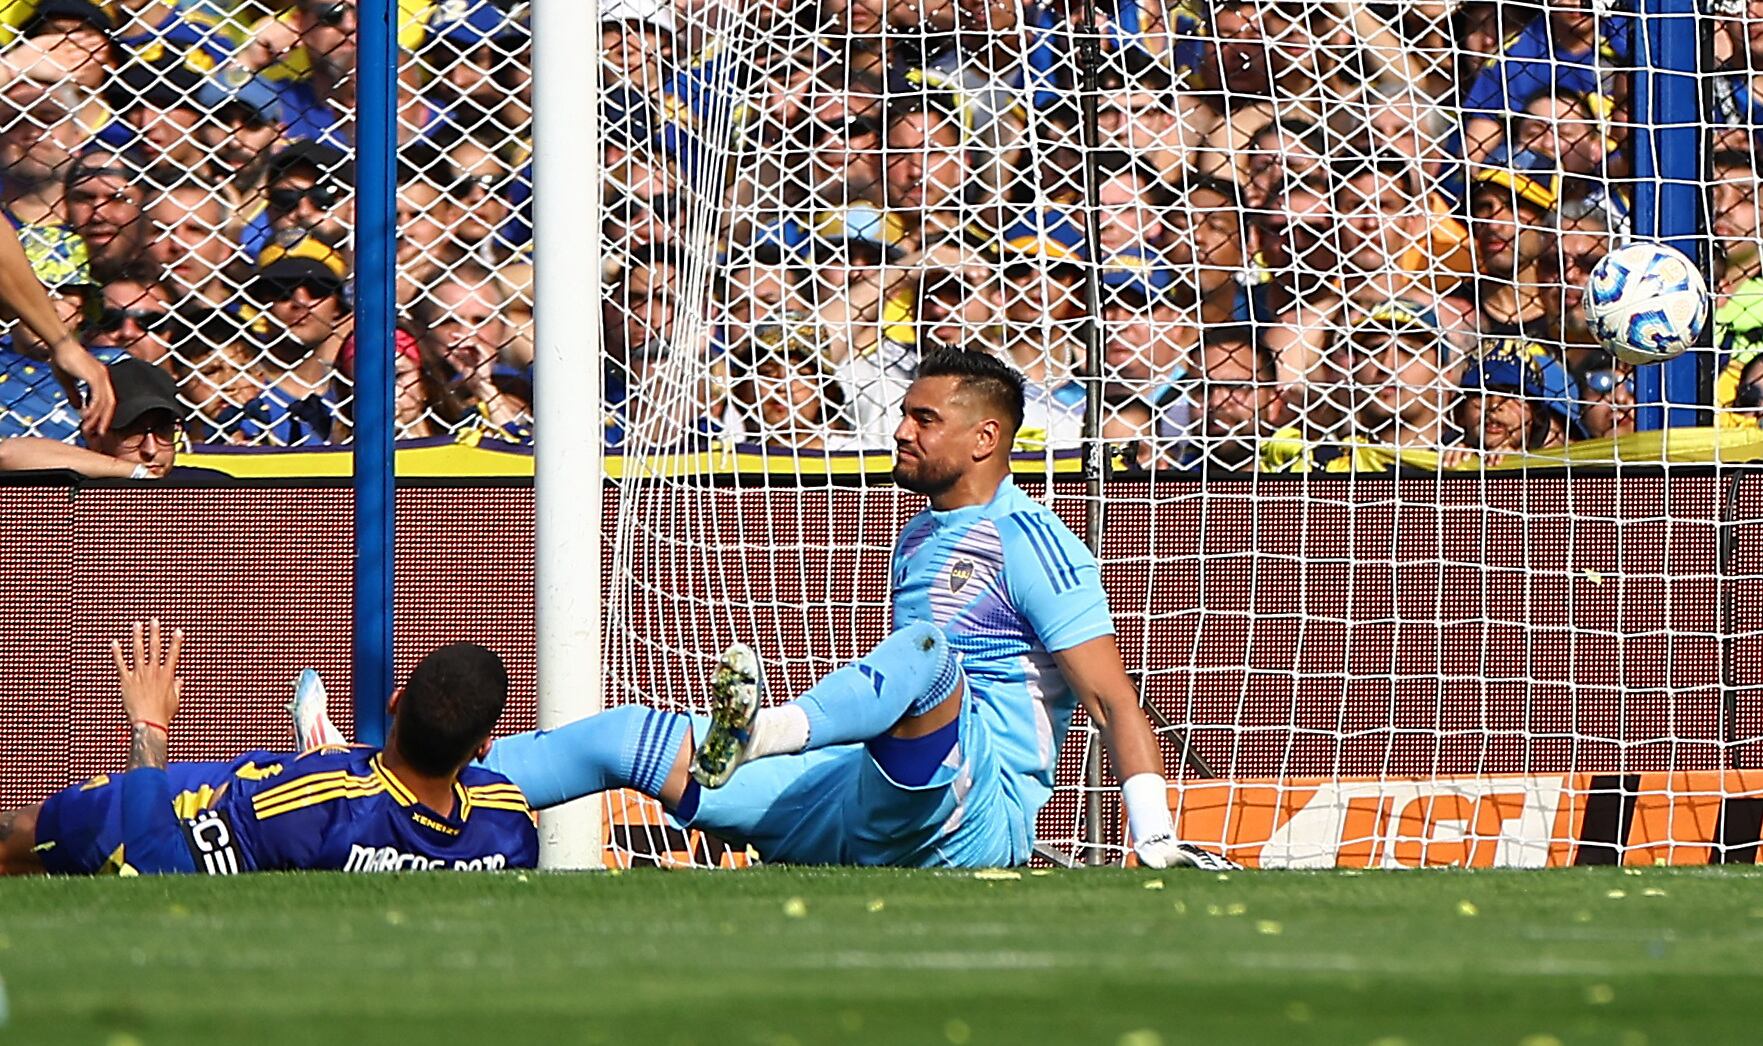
point(351, 788)
point(1038, 541)
point(501, 804)
point(1022, 528)
point(270, 795)
point(1067, 570)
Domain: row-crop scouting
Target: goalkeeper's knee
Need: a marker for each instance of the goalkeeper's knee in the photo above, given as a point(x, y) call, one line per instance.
point(908, 674)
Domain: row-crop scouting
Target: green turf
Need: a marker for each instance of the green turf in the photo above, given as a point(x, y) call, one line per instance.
point(779, 956)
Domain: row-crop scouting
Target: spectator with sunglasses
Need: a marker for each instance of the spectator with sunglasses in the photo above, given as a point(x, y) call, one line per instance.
point(490, 191)
point(136, 317)
point(141, 443)
point(301, 288)
point(308, 191)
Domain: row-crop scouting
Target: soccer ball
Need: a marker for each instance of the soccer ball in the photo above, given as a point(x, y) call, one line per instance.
point(1646, 303)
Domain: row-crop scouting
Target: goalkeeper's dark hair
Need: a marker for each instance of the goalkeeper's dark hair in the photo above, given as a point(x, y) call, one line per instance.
point(451, 703)
point(981, 375)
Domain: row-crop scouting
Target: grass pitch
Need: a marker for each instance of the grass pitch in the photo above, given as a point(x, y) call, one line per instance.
point(774, 957)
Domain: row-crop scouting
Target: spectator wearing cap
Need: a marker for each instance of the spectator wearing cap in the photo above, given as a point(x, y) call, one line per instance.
point(1511, 223)
point(461, 317)
point(1399, 369)
point(300, 287)
point(161, 116)
point(475, 54)
point(1516, 397)
point(141, 443)
point(137, 318)
point(242, 132)
point(1042, 258)
point(1565, 47)
point(308, 191)
point(856, 251)
point(1147, 344)
point(190, 34)
point(1244, 418)
point(33, 397)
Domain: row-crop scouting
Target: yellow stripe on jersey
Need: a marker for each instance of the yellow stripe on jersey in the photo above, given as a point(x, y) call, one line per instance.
point(518, 806)
point(507, 791)
point(269, 795)
point(349, 788)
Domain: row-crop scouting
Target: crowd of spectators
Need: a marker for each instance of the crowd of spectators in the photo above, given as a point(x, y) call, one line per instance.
point(1293, 231)
point(181, 176)
point(1264, 233)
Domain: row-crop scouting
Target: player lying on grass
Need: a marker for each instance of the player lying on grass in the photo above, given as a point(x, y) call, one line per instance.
point(937, 747)
point(416, 804)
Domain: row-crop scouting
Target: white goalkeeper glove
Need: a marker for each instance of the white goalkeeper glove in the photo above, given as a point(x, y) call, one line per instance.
point(1153, 829)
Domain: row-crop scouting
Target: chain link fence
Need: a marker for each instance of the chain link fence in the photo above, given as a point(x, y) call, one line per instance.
point(1276, 233)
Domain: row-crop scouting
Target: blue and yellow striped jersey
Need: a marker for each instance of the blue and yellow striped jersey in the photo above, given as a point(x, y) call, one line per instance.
point(340, 809)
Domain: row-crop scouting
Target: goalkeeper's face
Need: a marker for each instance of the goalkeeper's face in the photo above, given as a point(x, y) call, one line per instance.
point(940, 437)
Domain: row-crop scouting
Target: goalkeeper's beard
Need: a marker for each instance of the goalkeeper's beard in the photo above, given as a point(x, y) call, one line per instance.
point(921, 476)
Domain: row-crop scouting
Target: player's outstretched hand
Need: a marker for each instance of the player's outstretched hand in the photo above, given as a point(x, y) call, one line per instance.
point(1163, 851)
point(149, 678)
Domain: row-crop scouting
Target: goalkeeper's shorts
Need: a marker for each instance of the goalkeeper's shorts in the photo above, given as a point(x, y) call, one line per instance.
point(836, 805)
point(79, 829)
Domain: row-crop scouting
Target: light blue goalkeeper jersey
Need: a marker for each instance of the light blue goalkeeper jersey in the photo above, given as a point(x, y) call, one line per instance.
point(1010, 584)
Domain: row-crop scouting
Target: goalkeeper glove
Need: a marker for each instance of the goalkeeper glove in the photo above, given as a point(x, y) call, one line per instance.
point(1153, 829)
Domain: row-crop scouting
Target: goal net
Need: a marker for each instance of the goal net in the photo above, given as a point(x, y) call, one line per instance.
point(1297, 289)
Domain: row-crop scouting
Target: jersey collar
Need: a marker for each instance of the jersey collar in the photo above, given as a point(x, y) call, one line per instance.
point(970, 512)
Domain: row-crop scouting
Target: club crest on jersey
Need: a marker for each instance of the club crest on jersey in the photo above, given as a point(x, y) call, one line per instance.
point(959, 575)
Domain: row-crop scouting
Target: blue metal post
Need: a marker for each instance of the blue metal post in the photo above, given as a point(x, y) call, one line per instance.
point(376, 143)
point(1668, 169)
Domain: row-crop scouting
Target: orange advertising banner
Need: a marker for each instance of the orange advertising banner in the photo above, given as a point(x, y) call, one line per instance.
point(1519, 821)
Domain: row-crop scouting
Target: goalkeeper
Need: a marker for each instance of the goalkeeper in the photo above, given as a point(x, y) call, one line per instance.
point(937, 747)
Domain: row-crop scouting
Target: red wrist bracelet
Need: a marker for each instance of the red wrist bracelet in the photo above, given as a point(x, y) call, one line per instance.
point(157, 726)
